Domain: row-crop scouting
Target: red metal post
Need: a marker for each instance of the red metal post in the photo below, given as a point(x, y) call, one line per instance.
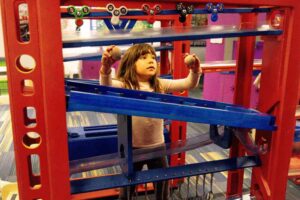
point(178, 129)
point(279, 96)
point(43, 135)
point(242, 94)
point(164, 55)
point(37, 87)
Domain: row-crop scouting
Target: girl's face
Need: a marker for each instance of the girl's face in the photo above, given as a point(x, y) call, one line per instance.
point(146, 67)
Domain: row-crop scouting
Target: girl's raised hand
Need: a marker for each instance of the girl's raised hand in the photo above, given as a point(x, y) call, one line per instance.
point(192, 62)
point(109, 57)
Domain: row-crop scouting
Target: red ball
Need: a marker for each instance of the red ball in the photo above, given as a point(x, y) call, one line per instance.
point(79, 22)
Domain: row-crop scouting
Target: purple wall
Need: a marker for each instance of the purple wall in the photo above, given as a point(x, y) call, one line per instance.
point(258, 50)
point(216, 51)
point(214, 83)
point(90, 69)
point(220, 86)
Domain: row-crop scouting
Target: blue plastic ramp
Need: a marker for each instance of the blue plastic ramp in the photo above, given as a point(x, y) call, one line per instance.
point(92, 97)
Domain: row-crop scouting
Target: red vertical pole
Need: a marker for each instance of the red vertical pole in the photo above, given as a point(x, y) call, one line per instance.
point(43, 134)
point(242, 94)
point(178, 128)
point(278, 96)
point(164, 55)
point(299, 94)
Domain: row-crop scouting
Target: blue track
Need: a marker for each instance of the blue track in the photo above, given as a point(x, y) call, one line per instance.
point(92, 97)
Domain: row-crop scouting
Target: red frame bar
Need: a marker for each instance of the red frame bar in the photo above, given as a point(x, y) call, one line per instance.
point(170, 5)
point(48, 99)
point(278, 96)
point(243, 82)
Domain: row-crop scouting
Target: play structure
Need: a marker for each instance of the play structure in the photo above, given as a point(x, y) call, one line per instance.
point(39, 86)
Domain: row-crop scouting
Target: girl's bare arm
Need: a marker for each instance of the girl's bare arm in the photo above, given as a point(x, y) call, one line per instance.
point(191, 81)
point(108, 59)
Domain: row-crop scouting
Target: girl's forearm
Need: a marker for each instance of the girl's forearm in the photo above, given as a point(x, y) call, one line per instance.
point(105, 79)
point(105, 70)
point(191, 81)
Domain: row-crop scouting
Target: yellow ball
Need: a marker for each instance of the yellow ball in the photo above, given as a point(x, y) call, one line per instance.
point(189, 60)
point(116, 53)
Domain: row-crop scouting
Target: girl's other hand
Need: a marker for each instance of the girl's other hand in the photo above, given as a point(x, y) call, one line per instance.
point(192, 62)
point(108, 59)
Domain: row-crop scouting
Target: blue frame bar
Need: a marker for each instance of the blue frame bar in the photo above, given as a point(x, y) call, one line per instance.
point(125, 144)
point(167, 35)
point(174, 12)
point(94, 87)
point(106, 182)
point(94, 56)
point(297, 132)
point(131, 24)
point(73, 58)
point(85, 147)
point(93, 131)
point(84, 142)
point(108, 24)
point(147, 104)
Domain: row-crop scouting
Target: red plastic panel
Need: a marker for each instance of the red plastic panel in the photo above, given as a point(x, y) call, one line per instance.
point(36, 89)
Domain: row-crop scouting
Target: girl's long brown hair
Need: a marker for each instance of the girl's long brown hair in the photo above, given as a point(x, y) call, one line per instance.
point(127, 72)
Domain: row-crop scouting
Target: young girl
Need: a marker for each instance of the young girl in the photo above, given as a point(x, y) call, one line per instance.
point(138, 70)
